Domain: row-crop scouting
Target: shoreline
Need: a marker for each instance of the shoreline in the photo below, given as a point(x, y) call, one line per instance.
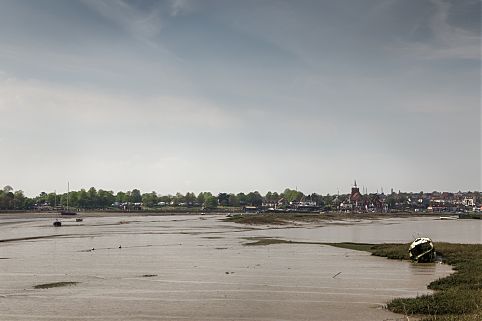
point(249, 218)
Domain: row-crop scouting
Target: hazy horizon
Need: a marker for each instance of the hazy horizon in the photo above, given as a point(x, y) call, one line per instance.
point(229, 96)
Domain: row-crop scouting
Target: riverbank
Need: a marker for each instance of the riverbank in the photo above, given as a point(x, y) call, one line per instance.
point(457, 297)
point(34, 215)
point(235, 216)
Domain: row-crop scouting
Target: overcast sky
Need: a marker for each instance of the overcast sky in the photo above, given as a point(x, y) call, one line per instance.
point(229, 96)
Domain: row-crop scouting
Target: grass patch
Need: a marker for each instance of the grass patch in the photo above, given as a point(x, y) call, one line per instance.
point(458, 297)
point(277, 218)
point(53, 285)
point(353, 246)
point(474, 216)
point(291, 217)
point(265, 241)
point(262, 241)
point(257, 219)
point(388, 250)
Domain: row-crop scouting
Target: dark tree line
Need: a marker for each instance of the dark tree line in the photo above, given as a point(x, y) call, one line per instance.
point(103, 199)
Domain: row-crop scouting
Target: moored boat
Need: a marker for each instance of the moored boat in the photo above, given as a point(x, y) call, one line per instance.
point(68, 211)
point(449, 217)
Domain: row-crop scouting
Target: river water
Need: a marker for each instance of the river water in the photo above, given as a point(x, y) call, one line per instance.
point(198, 268)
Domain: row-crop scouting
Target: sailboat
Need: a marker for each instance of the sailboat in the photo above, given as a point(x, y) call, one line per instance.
point(68, 211)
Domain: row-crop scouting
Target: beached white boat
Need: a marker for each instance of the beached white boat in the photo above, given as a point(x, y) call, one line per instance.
point(422, 250)
point(449, 217)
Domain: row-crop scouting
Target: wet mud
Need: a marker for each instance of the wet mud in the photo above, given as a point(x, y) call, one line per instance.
point(168, 269)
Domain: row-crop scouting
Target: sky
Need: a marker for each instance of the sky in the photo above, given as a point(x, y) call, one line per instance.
point(231, 96)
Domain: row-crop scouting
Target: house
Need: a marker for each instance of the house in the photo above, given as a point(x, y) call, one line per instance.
point(468, 201)
point(251, 209)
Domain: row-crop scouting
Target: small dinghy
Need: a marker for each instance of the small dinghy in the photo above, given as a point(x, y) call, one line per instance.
point(421, 250)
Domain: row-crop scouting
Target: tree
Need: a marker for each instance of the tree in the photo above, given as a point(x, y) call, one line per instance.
point(314, 197)
point(92, 198)
point(210, 202)
point(328, 200)
point(164, 198)
point(42, 198)
point(272, 197)
point(391, 201)
point(135, 196)
point(149, 199)
point(223, 199)
point(233, 200)
point(7, 198)
point(121, 197)
point(83, 200)
point(20, 200)
point(73, 197)
point(52, 199)
point(402, 199)
point(105, 198)
point(190, 198)
point(201, 198)
point(179, 198)
point(254, 198)
point(243, 200)
point(292, 195)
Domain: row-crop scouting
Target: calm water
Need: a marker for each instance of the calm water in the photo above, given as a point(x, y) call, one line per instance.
point(199, 269)
point(395, 230)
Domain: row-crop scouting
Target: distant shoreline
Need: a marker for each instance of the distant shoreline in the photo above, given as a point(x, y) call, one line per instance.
point(296, 216)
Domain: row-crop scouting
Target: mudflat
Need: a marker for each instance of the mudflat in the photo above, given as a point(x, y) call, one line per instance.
point(196, 268)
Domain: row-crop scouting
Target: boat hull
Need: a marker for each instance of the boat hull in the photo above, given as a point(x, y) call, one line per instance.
point(422, 250)
point(68, 213)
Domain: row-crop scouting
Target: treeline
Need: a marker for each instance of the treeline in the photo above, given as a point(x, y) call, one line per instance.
point(135, 199)
point(102, 199)
point(10, 199)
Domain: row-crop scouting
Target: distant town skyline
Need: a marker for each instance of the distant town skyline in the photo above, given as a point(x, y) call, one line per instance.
point(346, 190)
point(226, 96)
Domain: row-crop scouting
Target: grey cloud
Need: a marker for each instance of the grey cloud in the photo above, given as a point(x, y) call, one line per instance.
point(340, 89)
point(142, 24)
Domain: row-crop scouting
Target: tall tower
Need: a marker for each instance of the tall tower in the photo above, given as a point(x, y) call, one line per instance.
point(355, 196)
point(354, 189)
